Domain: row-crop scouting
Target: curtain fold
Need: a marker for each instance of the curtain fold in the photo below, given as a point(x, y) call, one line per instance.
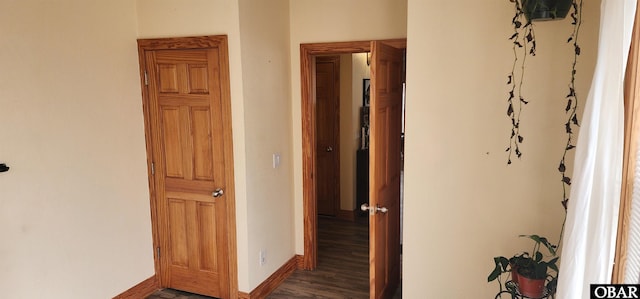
point(588, 248)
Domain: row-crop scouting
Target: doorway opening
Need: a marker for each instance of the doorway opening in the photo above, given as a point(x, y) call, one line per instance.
point(309, 53)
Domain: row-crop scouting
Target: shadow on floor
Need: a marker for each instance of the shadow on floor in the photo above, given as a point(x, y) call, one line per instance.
point(175, 294)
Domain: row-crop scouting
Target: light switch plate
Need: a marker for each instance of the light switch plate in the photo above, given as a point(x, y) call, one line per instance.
point(276, 160)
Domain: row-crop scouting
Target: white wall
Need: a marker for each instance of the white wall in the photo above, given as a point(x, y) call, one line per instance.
point(74, 208)
point(463, 204)
point(332, 21)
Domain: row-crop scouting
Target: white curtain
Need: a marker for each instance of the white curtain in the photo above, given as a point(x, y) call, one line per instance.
point(588, 248)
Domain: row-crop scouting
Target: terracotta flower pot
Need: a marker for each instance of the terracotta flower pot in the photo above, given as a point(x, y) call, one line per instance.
point(532, 288)
point(514, 273)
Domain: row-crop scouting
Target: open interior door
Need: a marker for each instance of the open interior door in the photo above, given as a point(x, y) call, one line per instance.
point(385, 167)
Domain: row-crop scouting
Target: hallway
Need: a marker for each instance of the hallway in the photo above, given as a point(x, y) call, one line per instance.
point(343, 266)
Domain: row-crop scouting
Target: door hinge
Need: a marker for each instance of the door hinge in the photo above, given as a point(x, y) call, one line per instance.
point(153, 168)
point(146, 78)
point(158, 252)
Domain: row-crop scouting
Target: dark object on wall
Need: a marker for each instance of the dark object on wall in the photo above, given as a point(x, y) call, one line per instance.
point(366, 92)
point(545, 10)
point(364, 128)
point(362, 179)
point(4, 168)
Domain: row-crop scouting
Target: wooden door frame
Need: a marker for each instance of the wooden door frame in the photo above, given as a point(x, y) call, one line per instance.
point(200, 42)
point(307, 80)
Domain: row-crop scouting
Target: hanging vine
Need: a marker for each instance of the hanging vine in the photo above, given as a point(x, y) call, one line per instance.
point(524, 44)
point(571, 108)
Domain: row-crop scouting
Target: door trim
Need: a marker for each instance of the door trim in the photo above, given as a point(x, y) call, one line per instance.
point(307, 79)
point(200, 42)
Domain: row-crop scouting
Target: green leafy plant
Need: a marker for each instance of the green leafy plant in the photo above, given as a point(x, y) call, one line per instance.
point(532, 265)
point(535, 265)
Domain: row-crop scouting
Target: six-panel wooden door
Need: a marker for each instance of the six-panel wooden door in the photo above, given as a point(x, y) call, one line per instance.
point(188, 140)
point(328, 134)
point(385, 169)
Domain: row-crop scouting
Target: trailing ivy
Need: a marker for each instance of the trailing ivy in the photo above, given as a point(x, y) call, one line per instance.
point(572, 100)
point(524, 44)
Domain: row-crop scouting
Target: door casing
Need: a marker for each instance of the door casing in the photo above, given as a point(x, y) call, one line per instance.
point(307, 79)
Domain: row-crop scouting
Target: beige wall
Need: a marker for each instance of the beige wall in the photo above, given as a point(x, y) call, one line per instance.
point(463, 205)
point(348, 142)
point(74, 208)
point(259, 66)
point(353, 68)
point(331, 21)
point(68, 206)
point(169, 18)
point(264, 34)
point(75, 205)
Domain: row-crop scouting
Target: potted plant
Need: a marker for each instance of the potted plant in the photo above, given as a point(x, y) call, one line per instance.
point(531, 273)
point(523, 268)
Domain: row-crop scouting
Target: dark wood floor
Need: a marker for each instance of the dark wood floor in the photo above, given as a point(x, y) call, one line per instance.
point(343, 264)
point(342, 272)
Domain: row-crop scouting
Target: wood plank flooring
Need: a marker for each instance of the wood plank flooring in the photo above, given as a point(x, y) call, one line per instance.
point(342, 272)
point(343, 264)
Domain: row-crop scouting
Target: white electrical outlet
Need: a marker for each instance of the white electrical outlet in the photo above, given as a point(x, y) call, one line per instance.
point(263, 257)
point(276, 160)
